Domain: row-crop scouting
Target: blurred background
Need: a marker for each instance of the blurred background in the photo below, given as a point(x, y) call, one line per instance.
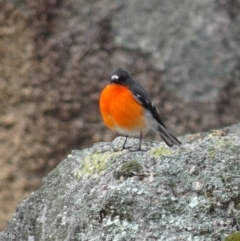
point(57, 55)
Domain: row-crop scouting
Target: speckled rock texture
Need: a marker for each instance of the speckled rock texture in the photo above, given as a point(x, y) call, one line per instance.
point(171, 194)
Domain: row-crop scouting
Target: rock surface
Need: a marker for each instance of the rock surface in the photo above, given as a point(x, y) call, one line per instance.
point(173, 194)
point(195, 43)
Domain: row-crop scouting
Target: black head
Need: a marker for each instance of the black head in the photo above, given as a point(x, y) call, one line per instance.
point(120, 76)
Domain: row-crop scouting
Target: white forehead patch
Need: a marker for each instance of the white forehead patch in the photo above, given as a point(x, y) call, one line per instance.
point(114, 77)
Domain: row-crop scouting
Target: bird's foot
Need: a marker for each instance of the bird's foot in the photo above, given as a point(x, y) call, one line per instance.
point(138, 149)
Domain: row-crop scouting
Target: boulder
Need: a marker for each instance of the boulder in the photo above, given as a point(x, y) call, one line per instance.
point(191, 192)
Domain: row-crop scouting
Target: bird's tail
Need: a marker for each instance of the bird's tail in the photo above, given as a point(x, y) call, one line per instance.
point(167, 136)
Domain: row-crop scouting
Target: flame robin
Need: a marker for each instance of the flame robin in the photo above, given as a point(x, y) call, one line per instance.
point(127, 109)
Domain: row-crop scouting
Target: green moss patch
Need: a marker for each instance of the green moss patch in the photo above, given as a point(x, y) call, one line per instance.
point(160, 151)
point(233, 237)
point(92, 165)
point(128, 169)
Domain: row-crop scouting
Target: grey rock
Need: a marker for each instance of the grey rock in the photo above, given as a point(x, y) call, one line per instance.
point(173, 194)
point(194, 43)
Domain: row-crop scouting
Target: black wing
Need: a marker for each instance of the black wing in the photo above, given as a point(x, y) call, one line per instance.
point(145, 100)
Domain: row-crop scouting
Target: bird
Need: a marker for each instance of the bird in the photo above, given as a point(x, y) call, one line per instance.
point(127, 109)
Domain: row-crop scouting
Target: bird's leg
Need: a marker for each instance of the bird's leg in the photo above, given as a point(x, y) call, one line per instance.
point(132, 150)
point(140, 145)
point(124, 144)
point(140, 142)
